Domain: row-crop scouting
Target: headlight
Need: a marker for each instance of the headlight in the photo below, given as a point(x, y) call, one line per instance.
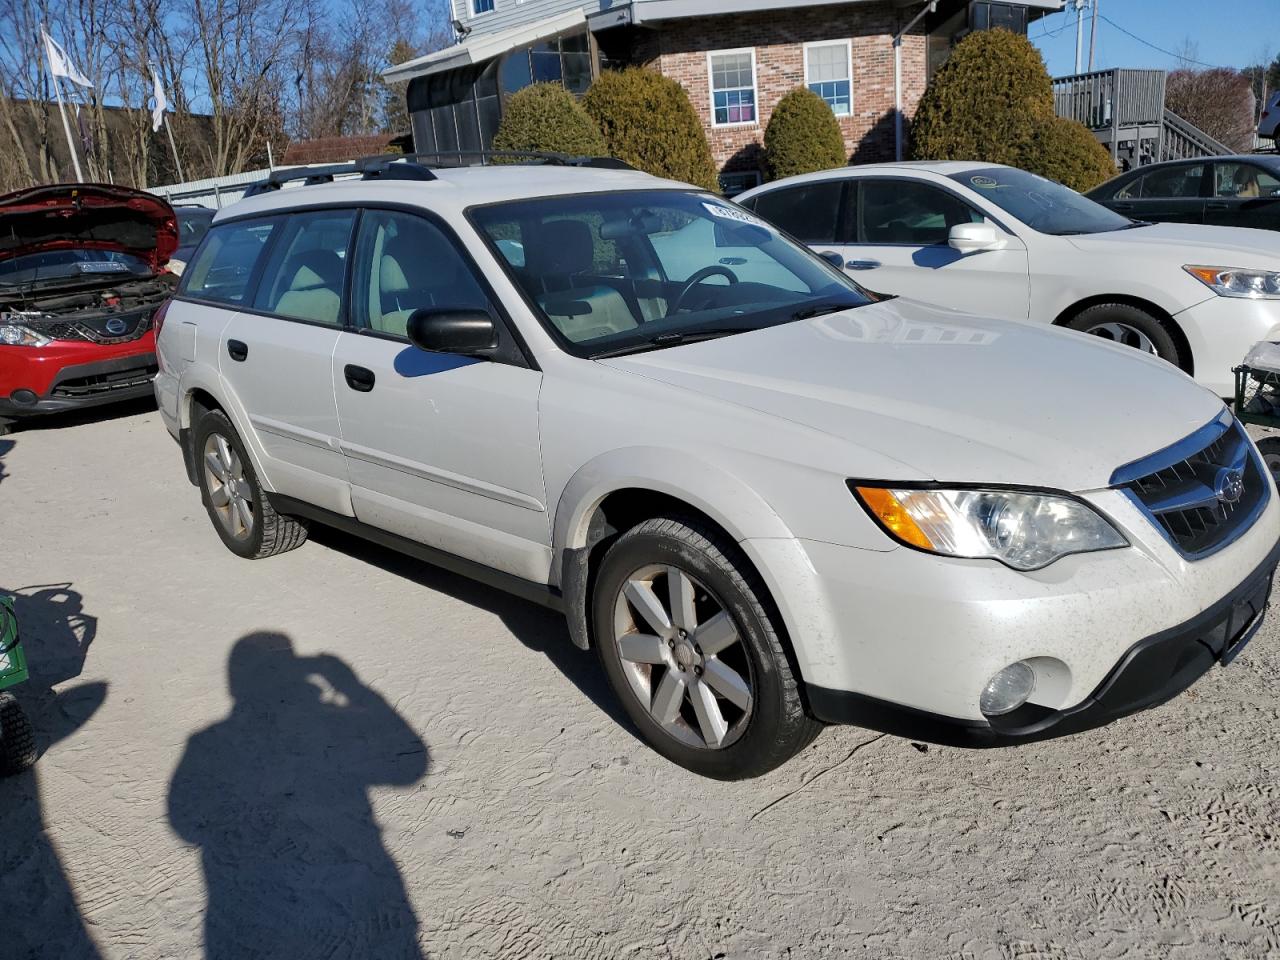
point(1235, 282)
point(16, 335)
point(1025, 531)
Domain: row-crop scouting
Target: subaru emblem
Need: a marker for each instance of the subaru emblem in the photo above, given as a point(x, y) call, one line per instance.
point(1230, 485)
point(116, 326)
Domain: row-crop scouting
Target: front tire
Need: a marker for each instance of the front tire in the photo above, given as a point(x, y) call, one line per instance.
point(17, 740)
point(685, 633)
point(1269, 447)
point(233, 497)
point(1131, 326)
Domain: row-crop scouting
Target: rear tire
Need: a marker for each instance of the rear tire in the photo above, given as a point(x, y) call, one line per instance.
point(1132, 326)
point(239, 510)
point(704, 675)
point(17, 740)
point(1269, 447)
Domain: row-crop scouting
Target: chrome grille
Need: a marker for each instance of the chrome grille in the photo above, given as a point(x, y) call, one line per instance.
point(1203, 492)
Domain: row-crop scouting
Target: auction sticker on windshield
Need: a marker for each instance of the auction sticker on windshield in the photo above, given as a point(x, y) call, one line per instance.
point(729, 213)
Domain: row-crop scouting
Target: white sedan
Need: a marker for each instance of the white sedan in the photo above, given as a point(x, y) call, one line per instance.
point(998, 241)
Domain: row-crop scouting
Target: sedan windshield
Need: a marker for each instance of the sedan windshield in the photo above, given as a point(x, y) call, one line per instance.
point(626, 272)
point(1041, 204)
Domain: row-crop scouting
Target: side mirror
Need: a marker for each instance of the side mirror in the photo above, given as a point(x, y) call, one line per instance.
point(833, 258)
point(467, 333)
point(974, 238)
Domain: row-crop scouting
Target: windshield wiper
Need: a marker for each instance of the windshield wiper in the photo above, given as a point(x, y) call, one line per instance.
point(664, 340)
point(821, 310)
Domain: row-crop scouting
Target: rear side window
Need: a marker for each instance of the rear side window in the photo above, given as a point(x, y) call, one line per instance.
point(810, 212)
point(306, 272)
point(224, 264)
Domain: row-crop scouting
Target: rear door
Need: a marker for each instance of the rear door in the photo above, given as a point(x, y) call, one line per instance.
point(441, 449)
point(277, 353)
point(1169, 194)
point(1244, 195)
point(899, 245)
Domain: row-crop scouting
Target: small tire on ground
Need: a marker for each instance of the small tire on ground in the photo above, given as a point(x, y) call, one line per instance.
point(17, 740)
point(273, 533)
point(1151, 326)
point(1269, 447)
point(777, 727)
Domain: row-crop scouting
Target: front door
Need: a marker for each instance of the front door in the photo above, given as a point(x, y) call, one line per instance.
point(1244, 195)
point(440, 449)
point(899, 246)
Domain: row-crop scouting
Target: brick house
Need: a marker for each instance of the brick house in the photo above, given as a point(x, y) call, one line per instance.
point(736, 58)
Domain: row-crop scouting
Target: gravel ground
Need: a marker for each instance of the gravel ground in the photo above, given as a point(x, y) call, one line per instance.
point(341, 753)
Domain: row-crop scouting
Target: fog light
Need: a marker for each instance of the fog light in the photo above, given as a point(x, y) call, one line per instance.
point(24, 397)
point(1008, 689)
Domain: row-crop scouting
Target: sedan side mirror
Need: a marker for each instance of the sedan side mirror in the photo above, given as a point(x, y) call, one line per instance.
point(974, 238)
point(834, 258)
point(467, 333)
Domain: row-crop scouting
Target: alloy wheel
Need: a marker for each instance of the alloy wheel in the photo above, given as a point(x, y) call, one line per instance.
point(683, 657)
point(1125, 334)
point(229, 490)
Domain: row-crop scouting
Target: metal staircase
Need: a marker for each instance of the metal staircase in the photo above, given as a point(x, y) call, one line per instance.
point(1126, 111)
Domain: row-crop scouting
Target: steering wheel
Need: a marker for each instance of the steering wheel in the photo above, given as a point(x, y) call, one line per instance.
point(712, 271)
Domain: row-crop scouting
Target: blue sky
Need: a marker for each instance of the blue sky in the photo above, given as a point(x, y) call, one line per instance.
point(1227, 33)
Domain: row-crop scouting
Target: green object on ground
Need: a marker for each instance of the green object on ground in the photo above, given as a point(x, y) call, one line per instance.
point(13, 662)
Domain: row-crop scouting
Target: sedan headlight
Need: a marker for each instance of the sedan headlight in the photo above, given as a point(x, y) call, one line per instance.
point(1237, 282)
point(16, 335)
point(1025, 531)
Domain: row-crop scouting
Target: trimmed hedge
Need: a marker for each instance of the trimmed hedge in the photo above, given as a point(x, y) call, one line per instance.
point(803, 136)
point(546, 117)
point(648, 121)
point(993, 101)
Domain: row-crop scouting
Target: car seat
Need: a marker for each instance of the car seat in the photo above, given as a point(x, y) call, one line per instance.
point(560, 253)
point(315, 285)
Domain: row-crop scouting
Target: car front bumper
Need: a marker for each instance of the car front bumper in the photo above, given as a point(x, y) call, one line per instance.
point(72, 376)
point(881, 638)
point(1220, 332)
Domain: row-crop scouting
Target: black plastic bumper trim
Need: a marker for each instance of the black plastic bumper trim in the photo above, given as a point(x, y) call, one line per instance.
point(1151, 672)
point(52, 404)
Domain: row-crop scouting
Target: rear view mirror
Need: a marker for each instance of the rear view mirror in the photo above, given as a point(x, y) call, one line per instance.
point(466, 333)
point(833, 258)
point(974, 238)
point(741, 235)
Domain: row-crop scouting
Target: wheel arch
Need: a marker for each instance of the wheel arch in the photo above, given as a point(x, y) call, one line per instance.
point(200, 394)
point(1141, 303)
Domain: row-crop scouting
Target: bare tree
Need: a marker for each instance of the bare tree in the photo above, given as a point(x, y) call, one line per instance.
point(1218, 101)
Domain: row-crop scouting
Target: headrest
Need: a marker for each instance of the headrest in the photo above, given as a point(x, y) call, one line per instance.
point(316, 268)
point(560, 248)
point(391, 277)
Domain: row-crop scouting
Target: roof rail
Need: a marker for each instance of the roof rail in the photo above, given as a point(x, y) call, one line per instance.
point(370, 168)
point(410, 166)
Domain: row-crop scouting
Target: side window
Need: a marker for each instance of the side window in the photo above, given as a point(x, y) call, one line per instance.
point(1173, 183)
point(1244, 180)
point(221, 269)
point(810, 212)
point(404, 263)
point(911, 213)
point(306, 271)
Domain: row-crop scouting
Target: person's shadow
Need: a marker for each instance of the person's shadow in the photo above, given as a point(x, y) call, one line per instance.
point(276, 798)
point(39, 916)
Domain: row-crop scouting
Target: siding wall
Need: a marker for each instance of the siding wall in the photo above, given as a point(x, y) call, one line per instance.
point(510, 13)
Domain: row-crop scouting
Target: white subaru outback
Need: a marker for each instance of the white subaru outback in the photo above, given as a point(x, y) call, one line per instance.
point(768, 499)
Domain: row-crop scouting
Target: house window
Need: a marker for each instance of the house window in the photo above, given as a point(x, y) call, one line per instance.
point(828, 72)
point(733, 87)
point(481, 6)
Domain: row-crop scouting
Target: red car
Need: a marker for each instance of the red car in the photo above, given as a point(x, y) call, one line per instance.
point(81, 278)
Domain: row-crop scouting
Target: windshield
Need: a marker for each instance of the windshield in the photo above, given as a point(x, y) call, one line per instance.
point(621, 272)
point(60, 266)
point(1042, 204)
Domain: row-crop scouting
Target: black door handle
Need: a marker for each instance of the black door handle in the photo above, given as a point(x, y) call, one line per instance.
point(1122, 206)
point(360, 379)
point(238, 350)
point(1217, 205)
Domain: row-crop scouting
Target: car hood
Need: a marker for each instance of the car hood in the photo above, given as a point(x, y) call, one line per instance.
point(1194, 243)
point(949, 397)
point(88, 216)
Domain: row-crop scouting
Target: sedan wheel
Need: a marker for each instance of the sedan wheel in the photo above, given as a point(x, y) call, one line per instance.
point(683, 657)
point(1124, 334)
point(229, 492)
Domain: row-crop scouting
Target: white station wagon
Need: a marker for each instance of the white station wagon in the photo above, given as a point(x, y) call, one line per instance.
point(768, 499)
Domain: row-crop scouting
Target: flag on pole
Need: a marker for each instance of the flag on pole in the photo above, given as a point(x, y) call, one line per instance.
point(157, 112)
point(60, 64)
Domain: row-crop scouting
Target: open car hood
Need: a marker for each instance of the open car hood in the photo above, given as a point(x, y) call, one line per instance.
point(88, 216)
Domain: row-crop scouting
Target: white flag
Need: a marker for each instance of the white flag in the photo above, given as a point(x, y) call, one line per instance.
point(157, 112)
point(60, 64)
